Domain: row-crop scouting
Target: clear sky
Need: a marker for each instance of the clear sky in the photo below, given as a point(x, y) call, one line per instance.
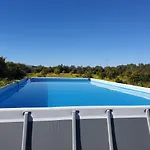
point(78, 32)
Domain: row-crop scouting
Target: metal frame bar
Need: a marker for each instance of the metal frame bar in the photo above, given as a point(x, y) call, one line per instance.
point(24, 132)
point(109, 127)
point(74, 142)
point(148, 118)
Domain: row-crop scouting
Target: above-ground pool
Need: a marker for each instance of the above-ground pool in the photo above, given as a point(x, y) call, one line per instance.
point(58, 92)
point(74, 114)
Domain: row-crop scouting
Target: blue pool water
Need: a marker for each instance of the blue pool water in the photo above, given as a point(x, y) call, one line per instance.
point(57, 93)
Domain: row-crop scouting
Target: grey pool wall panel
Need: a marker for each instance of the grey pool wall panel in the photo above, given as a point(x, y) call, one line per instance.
point(53, 128)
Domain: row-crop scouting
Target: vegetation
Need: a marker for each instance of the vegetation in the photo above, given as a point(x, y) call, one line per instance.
point(129, 74)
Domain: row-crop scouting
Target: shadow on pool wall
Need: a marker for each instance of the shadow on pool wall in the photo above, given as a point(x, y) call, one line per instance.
point(11, 89)
point(58, 79)
point(24, 94)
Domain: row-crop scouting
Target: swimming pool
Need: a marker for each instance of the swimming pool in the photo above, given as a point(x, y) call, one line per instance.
point(74, 114)
point(62, 92)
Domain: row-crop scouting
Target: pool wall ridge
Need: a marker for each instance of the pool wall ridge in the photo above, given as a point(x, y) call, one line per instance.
point(46, 79)
point(23, 81)
point(11, 89)
point(121, 85)
point(123, 90)
point(93, 112)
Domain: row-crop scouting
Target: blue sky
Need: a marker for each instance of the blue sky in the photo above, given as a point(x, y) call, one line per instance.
point(78, 32)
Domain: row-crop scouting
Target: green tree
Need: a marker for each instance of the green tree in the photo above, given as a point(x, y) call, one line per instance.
point(14, 72)
point(57, 70)
point(44, 71)
point(3, 67)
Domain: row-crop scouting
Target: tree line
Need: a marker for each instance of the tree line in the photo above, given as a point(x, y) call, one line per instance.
point(128, 74)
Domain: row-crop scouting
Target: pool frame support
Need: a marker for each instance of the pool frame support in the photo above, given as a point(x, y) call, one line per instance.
point(24, 132)
point(74, 142)
point(148, 118)
point(109, 127)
